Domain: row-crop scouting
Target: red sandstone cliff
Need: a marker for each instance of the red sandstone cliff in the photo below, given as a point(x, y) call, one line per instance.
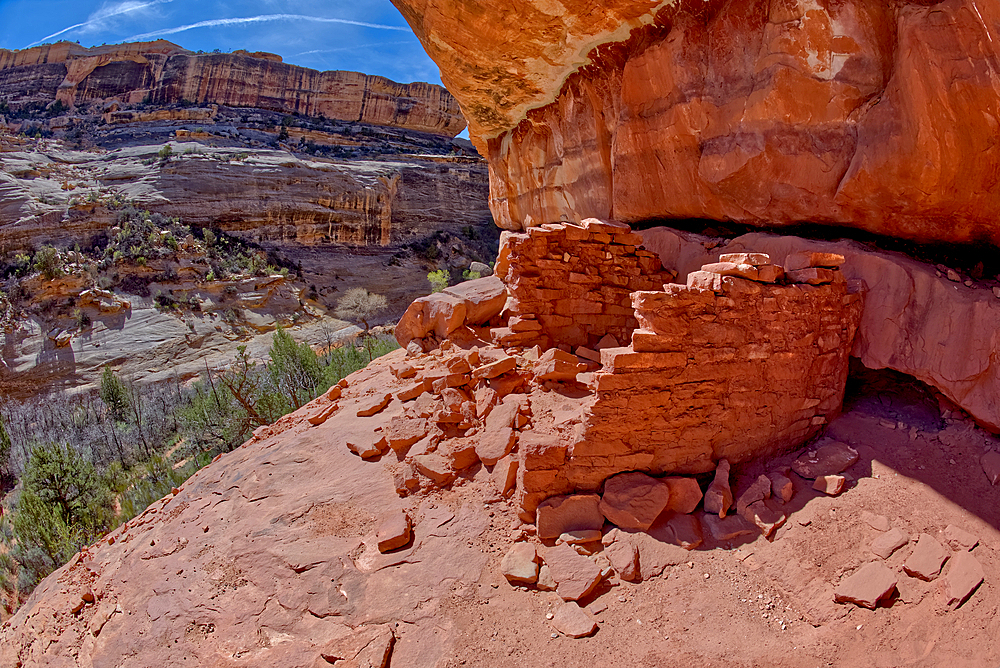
point(163, 73)
point(880, 116)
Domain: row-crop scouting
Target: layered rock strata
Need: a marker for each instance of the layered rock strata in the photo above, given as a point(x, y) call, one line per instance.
point(764, 112)
point(163, 73)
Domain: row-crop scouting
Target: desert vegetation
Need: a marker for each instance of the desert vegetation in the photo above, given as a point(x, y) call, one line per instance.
point(78, 465)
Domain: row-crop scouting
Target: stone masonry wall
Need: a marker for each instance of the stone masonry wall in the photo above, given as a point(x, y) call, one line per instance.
point(572, 284)
point(734, 365)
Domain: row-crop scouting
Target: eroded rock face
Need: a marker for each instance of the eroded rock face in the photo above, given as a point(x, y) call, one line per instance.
point(165, 73)
point(760, 111)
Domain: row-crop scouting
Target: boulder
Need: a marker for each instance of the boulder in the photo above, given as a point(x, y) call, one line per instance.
point(561, 514)
point(483, 298)
point(634, 500)
point(870, 584)
point(520, 564)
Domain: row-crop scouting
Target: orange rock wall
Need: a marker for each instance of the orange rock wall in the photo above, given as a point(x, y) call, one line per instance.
point(571, 284)
point(163, 73)
point(736, 373)
point(880, 116)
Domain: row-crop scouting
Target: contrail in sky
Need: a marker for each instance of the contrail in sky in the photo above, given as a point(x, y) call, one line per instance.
point(348, 48)
point(100, 15)
point(260, 19)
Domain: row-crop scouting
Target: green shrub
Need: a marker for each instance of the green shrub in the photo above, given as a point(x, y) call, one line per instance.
point(48, 262)
point(438, 280)
point(166, 152)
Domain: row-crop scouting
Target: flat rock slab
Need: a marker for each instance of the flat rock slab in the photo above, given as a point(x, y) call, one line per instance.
point(369, 407)
point(562, 514)
point(965, 573)
point(572, 621)
point(634, 500)
point(435, 467)
point(959, 539)
point(877, 522)
point(828, 459)
point(927, 558)
point(394, 532)
point(870, 584)
point(520, 564)
point(575, 575)
point(889, 542)
point(727, 528)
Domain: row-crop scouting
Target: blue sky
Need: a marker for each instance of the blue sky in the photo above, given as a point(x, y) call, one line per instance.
point(367, 36)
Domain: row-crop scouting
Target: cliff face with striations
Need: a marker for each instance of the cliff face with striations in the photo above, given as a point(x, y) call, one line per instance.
point(879, 116)
point(163, 73)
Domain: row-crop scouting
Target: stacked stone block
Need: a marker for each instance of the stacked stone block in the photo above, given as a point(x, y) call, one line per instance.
point(572, 284)
point(738, 363)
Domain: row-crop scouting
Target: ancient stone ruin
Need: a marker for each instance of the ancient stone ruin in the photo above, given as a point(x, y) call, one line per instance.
point(745, 359)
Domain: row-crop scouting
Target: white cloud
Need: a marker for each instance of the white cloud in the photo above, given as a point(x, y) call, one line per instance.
point(99, 19)
point(260, 19)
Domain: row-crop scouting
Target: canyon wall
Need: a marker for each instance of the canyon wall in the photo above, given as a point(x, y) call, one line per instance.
point(162, 73)
point(879, 116)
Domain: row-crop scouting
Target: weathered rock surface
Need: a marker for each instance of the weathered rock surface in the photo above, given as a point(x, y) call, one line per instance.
point(758, 112)
point(575, 575)
point(162, 73)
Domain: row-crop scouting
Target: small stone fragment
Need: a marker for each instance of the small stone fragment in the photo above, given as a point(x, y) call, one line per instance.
point(828, 459)
point(719, 496)
point(830, 484)
point(435, 467)
point(767, 519)
point(758, 491)
point(634, 500)
point(545, 580)
point(520, 564)
point(505, 475)
point(926, 559)
point(991, 466)
point(965, 573)
point(367, 646)
point(572, 621)
point(624, 558)
point(575, 575)
point(375, 405)
point(959, 539)
point(394, 532)
point(560, 514)
point(870, 584)
point(781, 486)
point(889, 542)
point(678, 529)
